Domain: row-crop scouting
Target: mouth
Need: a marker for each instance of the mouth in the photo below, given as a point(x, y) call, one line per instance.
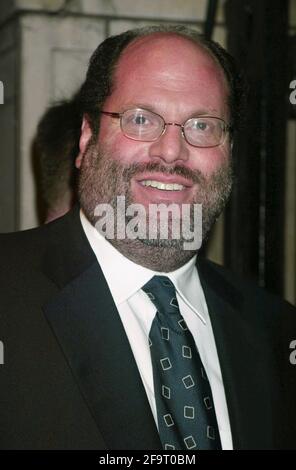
point(165, 182)
point(160, 187)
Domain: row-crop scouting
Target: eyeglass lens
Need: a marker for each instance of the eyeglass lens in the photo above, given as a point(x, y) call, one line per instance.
point(202, 131)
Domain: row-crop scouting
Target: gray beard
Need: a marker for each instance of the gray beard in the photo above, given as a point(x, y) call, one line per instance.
point(102, 179)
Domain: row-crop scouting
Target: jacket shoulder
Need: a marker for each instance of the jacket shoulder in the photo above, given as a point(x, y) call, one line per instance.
point(241, 291)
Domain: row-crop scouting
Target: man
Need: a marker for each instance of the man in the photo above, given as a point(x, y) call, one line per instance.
point(56, 146)
point(89, 336)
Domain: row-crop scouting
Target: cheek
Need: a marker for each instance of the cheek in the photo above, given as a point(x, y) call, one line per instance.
point(121, 148)
point(210, 160)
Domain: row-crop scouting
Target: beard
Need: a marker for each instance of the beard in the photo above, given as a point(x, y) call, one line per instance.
point(103, 179)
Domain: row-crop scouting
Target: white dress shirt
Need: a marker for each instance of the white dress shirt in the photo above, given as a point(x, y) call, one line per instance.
point(125, 280)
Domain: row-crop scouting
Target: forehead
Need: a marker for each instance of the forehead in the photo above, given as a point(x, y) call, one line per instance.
point(171, 66)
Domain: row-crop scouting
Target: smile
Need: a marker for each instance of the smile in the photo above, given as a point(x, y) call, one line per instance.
point(162, 186)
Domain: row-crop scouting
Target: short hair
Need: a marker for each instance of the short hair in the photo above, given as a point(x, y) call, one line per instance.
point(98, 84)
point(57, 146)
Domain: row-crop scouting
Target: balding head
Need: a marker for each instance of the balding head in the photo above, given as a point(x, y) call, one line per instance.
point(99, 80)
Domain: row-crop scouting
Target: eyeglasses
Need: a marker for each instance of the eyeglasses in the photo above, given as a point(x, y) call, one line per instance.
point(141, 124)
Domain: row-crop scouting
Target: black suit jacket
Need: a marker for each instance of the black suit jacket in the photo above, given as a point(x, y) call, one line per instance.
point(69, 379)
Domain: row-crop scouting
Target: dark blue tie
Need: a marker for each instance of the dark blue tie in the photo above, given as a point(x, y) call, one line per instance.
point(184, 402)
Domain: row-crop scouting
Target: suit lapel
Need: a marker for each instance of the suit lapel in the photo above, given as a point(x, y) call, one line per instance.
point(245, 362)
point(88, 328)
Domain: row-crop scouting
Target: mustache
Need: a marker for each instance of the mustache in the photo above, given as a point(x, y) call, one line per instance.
point(138, 168)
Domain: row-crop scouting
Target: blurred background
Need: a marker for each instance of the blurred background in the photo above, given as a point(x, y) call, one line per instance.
point(45, 46)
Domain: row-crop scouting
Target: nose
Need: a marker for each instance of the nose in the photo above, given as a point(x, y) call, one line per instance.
point(171, 146)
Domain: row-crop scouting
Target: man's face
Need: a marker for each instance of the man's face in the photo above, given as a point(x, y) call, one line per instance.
point(174, 78)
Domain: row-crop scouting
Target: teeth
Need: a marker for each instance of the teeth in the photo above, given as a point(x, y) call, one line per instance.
point(163, 186)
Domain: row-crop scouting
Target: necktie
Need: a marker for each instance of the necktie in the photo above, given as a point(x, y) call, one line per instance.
point(185, 407)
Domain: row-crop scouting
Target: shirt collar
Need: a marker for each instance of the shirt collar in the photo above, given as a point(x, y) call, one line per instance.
point(115, 267)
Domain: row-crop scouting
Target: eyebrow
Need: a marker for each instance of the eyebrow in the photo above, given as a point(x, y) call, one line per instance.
point(149, 107)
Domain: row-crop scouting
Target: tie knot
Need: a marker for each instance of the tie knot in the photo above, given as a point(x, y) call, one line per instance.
point(161, 291)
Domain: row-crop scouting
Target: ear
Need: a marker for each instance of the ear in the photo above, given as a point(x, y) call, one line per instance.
point(78, 160)
point(85, 136)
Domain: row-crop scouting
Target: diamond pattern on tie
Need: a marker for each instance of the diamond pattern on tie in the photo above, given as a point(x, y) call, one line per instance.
point(190, 442)
point(185, 411)
point(208, 403)
point(165, 363)
point(210, 432)
point(182, 324)
point(174, 302)
point(169, 447)
point(189, 412)
point(186, 352)
point(188, 381)
point(168, 420)
point(166, 392)
point(165, 333)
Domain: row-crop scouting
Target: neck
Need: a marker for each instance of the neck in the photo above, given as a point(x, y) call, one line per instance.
point(154, 257)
